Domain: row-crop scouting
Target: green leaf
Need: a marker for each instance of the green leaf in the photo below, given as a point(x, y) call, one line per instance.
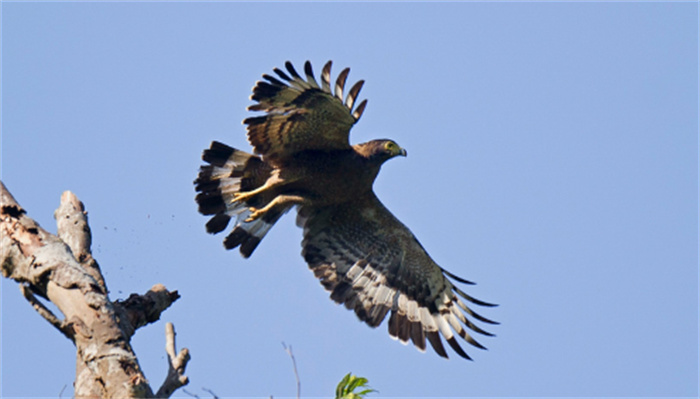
point(347, 386)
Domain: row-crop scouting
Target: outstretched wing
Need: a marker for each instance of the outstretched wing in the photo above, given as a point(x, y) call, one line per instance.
point(300, 114)
point(373, 264)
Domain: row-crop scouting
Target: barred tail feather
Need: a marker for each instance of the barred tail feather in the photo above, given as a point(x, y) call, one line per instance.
point(248, 235)
point(230, 171)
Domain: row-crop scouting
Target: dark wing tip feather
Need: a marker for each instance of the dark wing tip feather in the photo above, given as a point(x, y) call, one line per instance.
point(399, 327)
point(292, 71)
point(455, 346)
point(435, 341)
point(273, 80)
point(310, 74)
point(326, 76)
point(472, 299)
point(404, 329)
point(340, 83)
point(254, 120)
point(281, 74)
point(484, 319)
point(457, 278)
point(359, 110)
point(308, 70)
point(418, 335)
point(476, 328)
point(352, 95)
point(263, 90)
point(341, 292)
point(471, 340)
point(377, 314)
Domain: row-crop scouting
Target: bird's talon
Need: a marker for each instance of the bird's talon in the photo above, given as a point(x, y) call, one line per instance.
point(237, 197)
point(254, 214)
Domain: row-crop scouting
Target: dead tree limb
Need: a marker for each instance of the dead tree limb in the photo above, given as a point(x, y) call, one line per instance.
point(61, 269)
point(176, 364)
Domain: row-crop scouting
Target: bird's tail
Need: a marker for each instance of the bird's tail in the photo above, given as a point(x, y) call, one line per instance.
point(231, 171)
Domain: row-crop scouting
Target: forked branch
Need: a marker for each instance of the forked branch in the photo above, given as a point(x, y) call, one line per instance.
point(61, 269)
point(176, 365)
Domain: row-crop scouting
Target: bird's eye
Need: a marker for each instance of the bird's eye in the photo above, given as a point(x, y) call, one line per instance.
point(389, 146)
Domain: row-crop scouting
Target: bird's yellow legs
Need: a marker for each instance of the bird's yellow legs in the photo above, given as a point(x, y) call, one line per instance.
point(280, 201)
point(274, 182)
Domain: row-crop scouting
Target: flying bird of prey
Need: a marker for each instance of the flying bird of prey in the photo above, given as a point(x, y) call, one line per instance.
point(362, 254)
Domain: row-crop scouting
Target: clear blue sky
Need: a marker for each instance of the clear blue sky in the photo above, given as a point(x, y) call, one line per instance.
point(553, 159)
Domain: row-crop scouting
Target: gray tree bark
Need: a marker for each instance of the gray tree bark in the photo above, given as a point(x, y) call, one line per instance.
point(60, 268)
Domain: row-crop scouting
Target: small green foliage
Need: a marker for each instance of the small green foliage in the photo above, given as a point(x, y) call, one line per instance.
point(346, 387)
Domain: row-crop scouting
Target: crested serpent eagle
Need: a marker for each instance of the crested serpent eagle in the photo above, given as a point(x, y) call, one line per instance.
point(361, 253)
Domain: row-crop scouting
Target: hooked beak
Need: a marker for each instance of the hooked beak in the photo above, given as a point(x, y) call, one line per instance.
point(403, 152)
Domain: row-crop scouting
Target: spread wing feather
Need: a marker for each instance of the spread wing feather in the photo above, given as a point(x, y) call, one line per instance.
point(372, 263)
point(300, 115)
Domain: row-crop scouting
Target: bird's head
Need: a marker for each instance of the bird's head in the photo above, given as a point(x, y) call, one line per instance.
point(381, 150)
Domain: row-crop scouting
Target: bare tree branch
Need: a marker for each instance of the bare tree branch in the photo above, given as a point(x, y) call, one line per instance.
point(138, 310)
point(190, 393)
point(176, 365)
point(62, 270)
point(45, 312)
point(73, 229)
point(288, 349)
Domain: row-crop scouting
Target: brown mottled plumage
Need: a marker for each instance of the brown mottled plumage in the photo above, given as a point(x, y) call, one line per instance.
point(361, 253)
